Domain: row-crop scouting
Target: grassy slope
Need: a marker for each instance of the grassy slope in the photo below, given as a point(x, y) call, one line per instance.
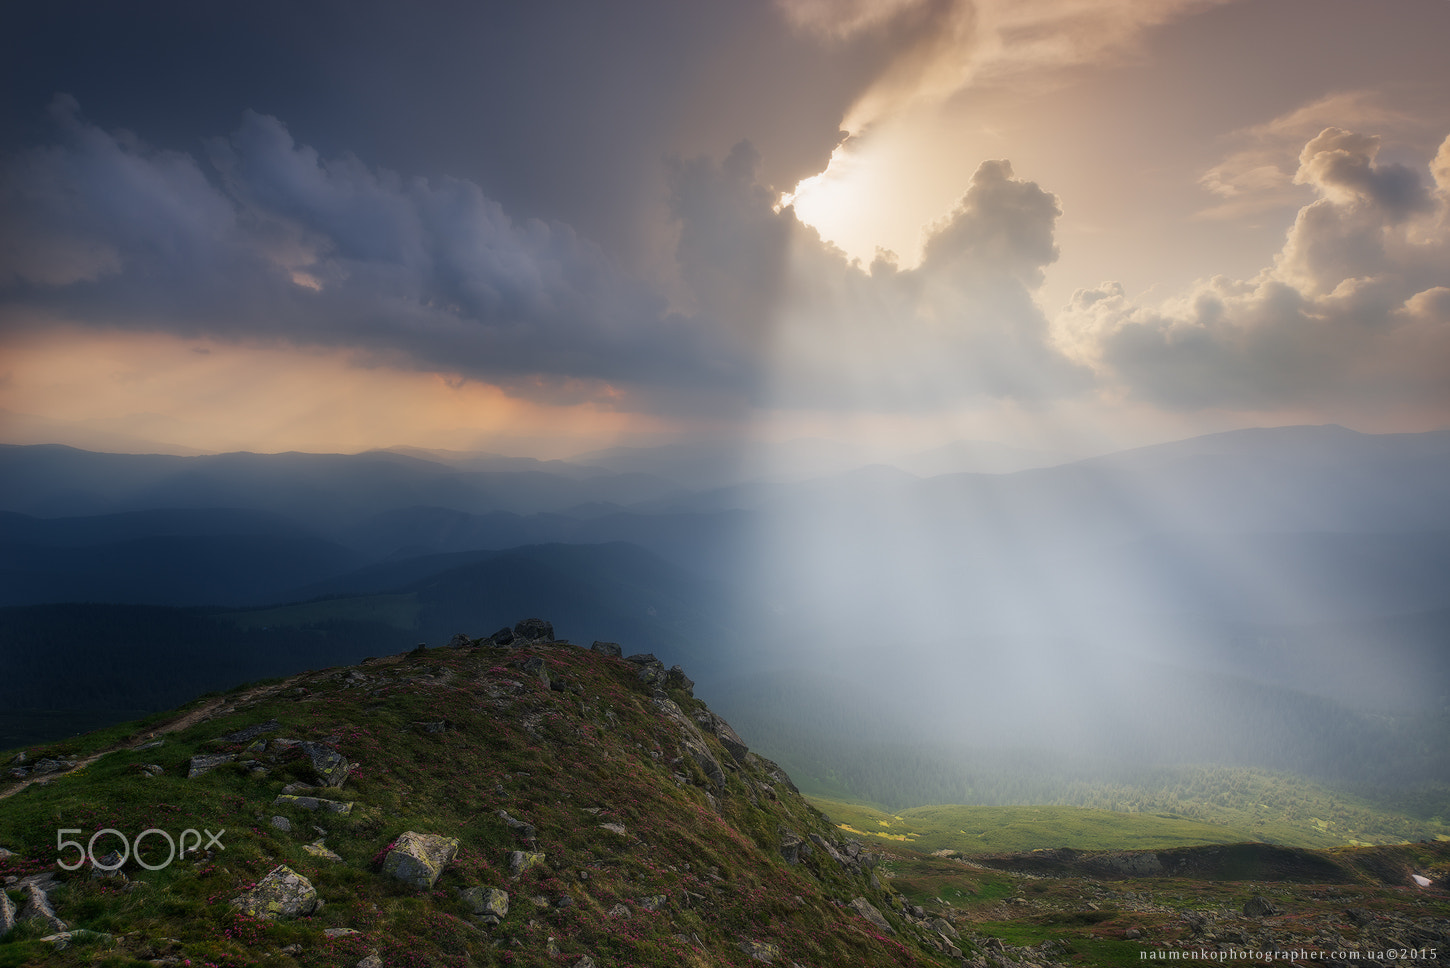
point(564, 761)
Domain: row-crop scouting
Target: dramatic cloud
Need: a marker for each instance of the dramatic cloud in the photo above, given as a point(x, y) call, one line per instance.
point(271, 241)
point(1353, 313)
point(945, 46)
point(831, 333)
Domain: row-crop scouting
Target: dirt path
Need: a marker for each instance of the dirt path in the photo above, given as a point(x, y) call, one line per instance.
point(212, 708)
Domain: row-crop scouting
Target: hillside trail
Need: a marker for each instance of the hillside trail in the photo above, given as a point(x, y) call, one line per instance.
point(210, 709)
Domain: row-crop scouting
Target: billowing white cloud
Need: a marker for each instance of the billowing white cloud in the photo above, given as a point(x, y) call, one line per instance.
point(830, 332)
point(1353, 313)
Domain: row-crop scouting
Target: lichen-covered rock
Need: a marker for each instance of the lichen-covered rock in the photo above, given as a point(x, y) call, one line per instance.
point(418, 859)
point(761, 950)
point(283, 893)
point(319, 850)
point(488, 903)
point(330, 767)
point(522, 860)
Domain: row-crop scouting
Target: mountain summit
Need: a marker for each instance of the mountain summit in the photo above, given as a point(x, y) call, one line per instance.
point(509, 800)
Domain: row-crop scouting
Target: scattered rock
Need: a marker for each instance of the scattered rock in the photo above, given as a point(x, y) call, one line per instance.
point(1259, 906)
point(522, 860)
point(868, 911)
point(318, 850)
point(653, 902)
point(108, 866)
point(205, 764)
point(459, 641)
point(437, 727)
point(330, 767)
point(418, 859)
point(488, 903)
point(761, 950)
point(283, 893)
point(7, 914)
point(343, 807)
point(48, 765)
point(524, 831)
point(534, 630)
point(538, 668)
point(339, 932)
point(282, 824)
point(249, 733)
point(615, 828)
point(620, 911)
point(37, 908)
point(607, 648)
point(373, 960)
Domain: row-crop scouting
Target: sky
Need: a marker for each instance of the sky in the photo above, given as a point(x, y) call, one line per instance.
point(552, 227)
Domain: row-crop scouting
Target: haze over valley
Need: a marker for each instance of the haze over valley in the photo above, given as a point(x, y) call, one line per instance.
point(986, 403)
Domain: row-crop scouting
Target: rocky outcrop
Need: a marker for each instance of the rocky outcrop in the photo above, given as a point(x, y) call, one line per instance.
point(868, 911)
point(283, 893)
point(692, 742)
point(534, 630)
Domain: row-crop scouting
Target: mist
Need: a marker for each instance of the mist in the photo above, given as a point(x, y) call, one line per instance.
point(1268, 600)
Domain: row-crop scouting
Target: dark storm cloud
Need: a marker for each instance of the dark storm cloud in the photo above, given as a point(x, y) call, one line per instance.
point(269, 240)
point(557, 109)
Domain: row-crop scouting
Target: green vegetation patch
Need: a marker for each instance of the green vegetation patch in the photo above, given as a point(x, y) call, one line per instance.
point(992, 830)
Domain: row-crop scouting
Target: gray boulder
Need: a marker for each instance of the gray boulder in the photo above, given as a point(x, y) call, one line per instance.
point(205, 764)
point(7, 914)
point(418, 859)
point(283, 893)
point(487, 903)
point(535, 630)
point(607, 648)
point(522, 860)
point(330, 767)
